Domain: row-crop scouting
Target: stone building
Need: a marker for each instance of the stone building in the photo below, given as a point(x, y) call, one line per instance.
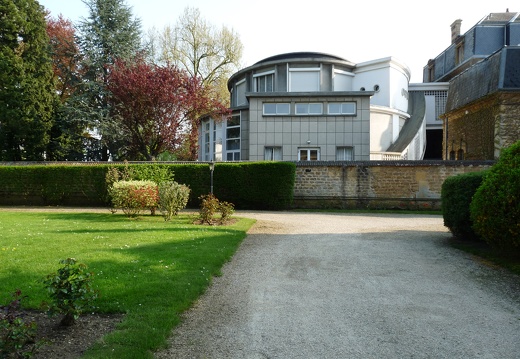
point(482, 67)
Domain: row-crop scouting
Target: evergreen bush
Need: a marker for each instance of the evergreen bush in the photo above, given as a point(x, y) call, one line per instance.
point(172, 198)
point(495, 209)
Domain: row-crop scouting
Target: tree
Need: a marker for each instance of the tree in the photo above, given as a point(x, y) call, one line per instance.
point(206, 52)
point(202, 49)
point(27, 92)
point(109, 33)
point(153, 105)
point(67, 135)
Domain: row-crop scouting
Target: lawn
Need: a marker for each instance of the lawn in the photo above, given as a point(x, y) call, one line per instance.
point(146, 268)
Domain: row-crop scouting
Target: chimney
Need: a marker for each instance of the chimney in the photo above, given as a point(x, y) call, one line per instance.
point(455, 30)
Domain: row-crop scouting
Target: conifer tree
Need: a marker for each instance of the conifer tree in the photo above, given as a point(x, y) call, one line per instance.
point(109, 33)
point(27, 95)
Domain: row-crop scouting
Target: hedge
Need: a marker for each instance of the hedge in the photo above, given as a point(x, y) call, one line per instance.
point(248, 185)
point(456, 194)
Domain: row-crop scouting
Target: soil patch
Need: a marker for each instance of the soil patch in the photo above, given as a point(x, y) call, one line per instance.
point(70, 342)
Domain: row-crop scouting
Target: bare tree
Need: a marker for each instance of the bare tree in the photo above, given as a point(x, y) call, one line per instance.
point(202, 49)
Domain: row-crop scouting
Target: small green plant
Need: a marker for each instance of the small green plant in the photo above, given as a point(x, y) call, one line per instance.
point(17, 336)
point(70, 289)
point(134, 196)
point(209, 207)
point(226, 210)
point(172, 198)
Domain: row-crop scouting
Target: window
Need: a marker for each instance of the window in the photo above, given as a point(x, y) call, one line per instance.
point(342, 108)
point(342, 80)
point(241, 93)
point(344, 153)
point(273, 153)
point(308, 154)
point(308, 109)
point(233, 138)
point(459, 53)
point(277, 108)
point(264, 82)
point(304, 79)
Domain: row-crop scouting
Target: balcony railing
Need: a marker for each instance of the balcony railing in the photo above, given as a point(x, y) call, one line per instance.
point(386, 156)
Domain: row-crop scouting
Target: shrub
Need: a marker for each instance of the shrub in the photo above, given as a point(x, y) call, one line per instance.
point(456, 195)
point(495, 209)
point(172, 198)
point(71, 291)
point(226, 210)
point(208, 208)
point(17, 336)
point(134, 196)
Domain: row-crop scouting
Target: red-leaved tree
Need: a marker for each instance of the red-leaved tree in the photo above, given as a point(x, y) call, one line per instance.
point(65, 55)
point(156, 105)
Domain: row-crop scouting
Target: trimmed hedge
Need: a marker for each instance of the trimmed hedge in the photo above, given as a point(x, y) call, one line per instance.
point(248, 185)
point(495, 210)
point(456, 194)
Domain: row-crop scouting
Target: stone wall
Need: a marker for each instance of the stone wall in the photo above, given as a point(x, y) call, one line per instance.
point(376, 184)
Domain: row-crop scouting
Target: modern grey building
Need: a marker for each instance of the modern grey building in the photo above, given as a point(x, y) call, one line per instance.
point(309, 106)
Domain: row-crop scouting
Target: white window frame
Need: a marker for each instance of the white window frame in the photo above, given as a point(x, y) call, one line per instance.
point(308, 155)
point(233, 154)
point(343, 108)
point(280, 108)
point(306, 108)
point(256, 78)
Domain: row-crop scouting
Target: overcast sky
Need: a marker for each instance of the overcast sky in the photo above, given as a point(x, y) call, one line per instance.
point(409, 30)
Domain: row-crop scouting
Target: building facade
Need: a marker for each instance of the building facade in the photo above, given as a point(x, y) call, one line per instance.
point(309, 106)
point(482, 108)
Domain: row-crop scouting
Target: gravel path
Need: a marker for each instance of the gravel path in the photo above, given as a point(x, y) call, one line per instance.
point(306, 285)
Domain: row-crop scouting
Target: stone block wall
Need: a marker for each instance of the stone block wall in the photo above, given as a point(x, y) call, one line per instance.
point(376, 184)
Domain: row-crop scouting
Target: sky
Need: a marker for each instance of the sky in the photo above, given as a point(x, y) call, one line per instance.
point(409, 30)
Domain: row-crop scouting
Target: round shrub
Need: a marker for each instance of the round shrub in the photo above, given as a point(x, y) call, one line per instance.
point(456, 195)
point(495, 209)
point(134, 196)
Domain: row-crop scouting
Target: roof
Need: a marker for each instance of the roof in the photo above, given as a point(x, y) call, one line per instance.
point(498, 72)
point(500, 18)
point(299, 55)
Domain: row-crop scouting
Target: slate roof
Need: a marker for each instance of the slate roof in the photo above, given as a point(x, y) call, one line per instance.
point(498, 72)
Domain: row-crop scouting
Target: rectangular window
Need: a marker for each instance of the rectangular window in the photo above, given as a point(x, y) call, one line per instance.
point(308, 154)
point(273, 153)
point(277, 108)
point(233, 138)
point(345, 153)
point(308, 109)
point(342, 108)
point(241, 93)
point(304, 79)
point(264, 82)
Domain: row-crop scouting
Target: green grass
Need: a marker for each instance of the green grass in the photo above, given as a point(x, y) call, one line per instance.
point(146, 268)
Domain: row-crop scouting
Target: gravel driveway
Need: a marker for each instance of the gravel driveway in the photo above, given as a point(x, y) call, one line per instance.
point(307, 285)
